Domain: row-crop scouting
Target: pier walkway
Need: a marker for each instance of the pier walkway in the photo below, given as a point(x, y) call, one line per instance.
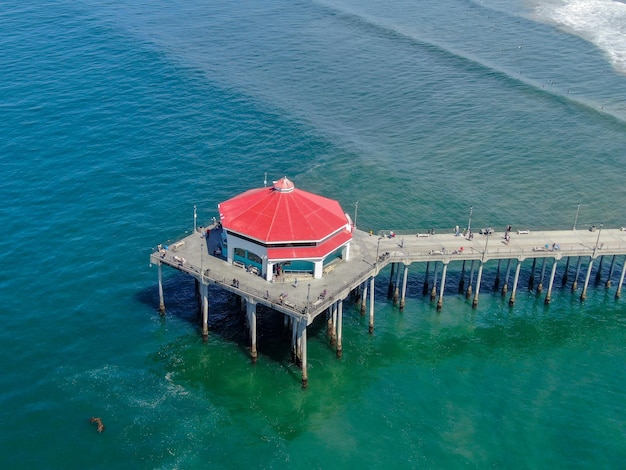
point(301, 298)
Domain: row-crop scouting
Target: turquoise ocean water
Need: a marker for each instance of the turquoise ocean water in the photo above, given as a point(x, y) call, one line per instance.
point(118, 117)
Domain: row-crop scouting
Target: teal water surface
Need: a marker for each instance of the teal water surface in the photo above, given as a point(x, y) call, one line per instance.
point(119, 117)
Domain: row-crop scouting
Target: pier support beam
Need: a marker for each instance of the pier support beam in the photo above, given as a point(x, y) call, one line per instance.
point(618, 293)
point(599, 273)
point(564, 280)
point(198, 298)
point(371, 325)
point(575, 283)
point(505, 287)
point(329, 323)
point(161, 302)
point(531, 279)
point(405, 277)
point(608, 281)
point(425, 288)
point(551, 282)
point(515, 280)
point(543, 273)
point(583, 294)
point(356, 294)
point(478, 279)
point(364, 298)
point(333, 329)
point(339, 327)
point(433, 292)
point(396, 291)
point(204, 295)
point(391, 286)
point(443, 286)
point(251, 314)
point(496, 283)
point(295, 332)
point(462, 280)
point(468, 293)
point(303, 359)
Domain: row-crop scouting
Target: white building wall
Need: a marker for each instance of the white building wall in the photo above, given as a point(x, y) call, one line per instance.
point(318, 270)
point(233, 241)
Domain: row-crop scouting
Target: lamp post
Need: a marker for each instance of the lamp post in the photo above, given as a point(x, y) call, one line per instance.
point(576, 218)
point(195, 218)
point(356, 210)
point(308, 295)
point(480, 272)
point(377, 256)
point(598, 240)
point(486, 242)
point(469, 222)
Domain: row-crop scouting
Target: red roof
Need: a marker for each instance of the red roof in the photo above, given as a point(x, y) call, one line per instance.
point(283, 214)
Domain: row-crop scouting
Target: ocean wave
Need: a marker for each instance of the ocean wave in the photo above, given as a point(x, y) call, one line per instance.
point(601, 22)
point(510, 69)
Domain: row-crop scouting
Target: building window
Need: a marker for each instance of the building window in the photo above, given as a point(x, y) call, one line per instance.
point(254, 258)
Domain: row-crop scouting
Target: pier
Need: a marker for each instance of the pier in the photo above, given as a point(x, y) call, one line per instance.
point(301, 297)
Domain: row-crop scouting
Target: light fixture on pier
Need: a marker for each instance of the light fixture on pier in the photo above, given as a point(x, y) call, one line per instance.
point(486, 241)
point(598, 239)
point(378, 248)
point(576, 218)
point(308, 295)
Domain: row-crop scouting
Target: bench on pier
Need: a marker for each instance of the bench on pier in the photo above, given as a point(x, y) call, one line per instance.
point(523, 232)
point(423, 235)
point(177, 245)
point(239, 264)
point(328, 268)
point(254, 270)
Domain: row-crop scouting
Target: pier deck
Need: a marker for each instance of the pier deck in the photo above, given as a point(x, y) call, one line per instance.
point(371, 253)
point(301, 299)
point(539, 244)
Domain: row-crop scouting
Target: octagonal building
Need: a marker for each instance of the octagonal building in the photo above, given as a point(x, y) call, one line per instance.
point(283, 229)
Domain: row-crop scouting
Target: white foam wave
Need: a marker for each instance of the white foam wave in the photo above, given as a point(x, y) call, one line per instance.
point(602, 22)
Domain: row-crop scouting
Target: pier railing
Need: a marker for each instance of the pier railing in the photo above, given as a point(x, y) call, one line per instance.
point(172, 240)
point(435, 230)
point(314, 305)
point(505, 253)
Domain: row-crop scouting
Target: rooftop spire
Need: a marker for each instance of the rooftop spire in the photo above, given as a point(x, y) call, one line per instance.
point(284, 185)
